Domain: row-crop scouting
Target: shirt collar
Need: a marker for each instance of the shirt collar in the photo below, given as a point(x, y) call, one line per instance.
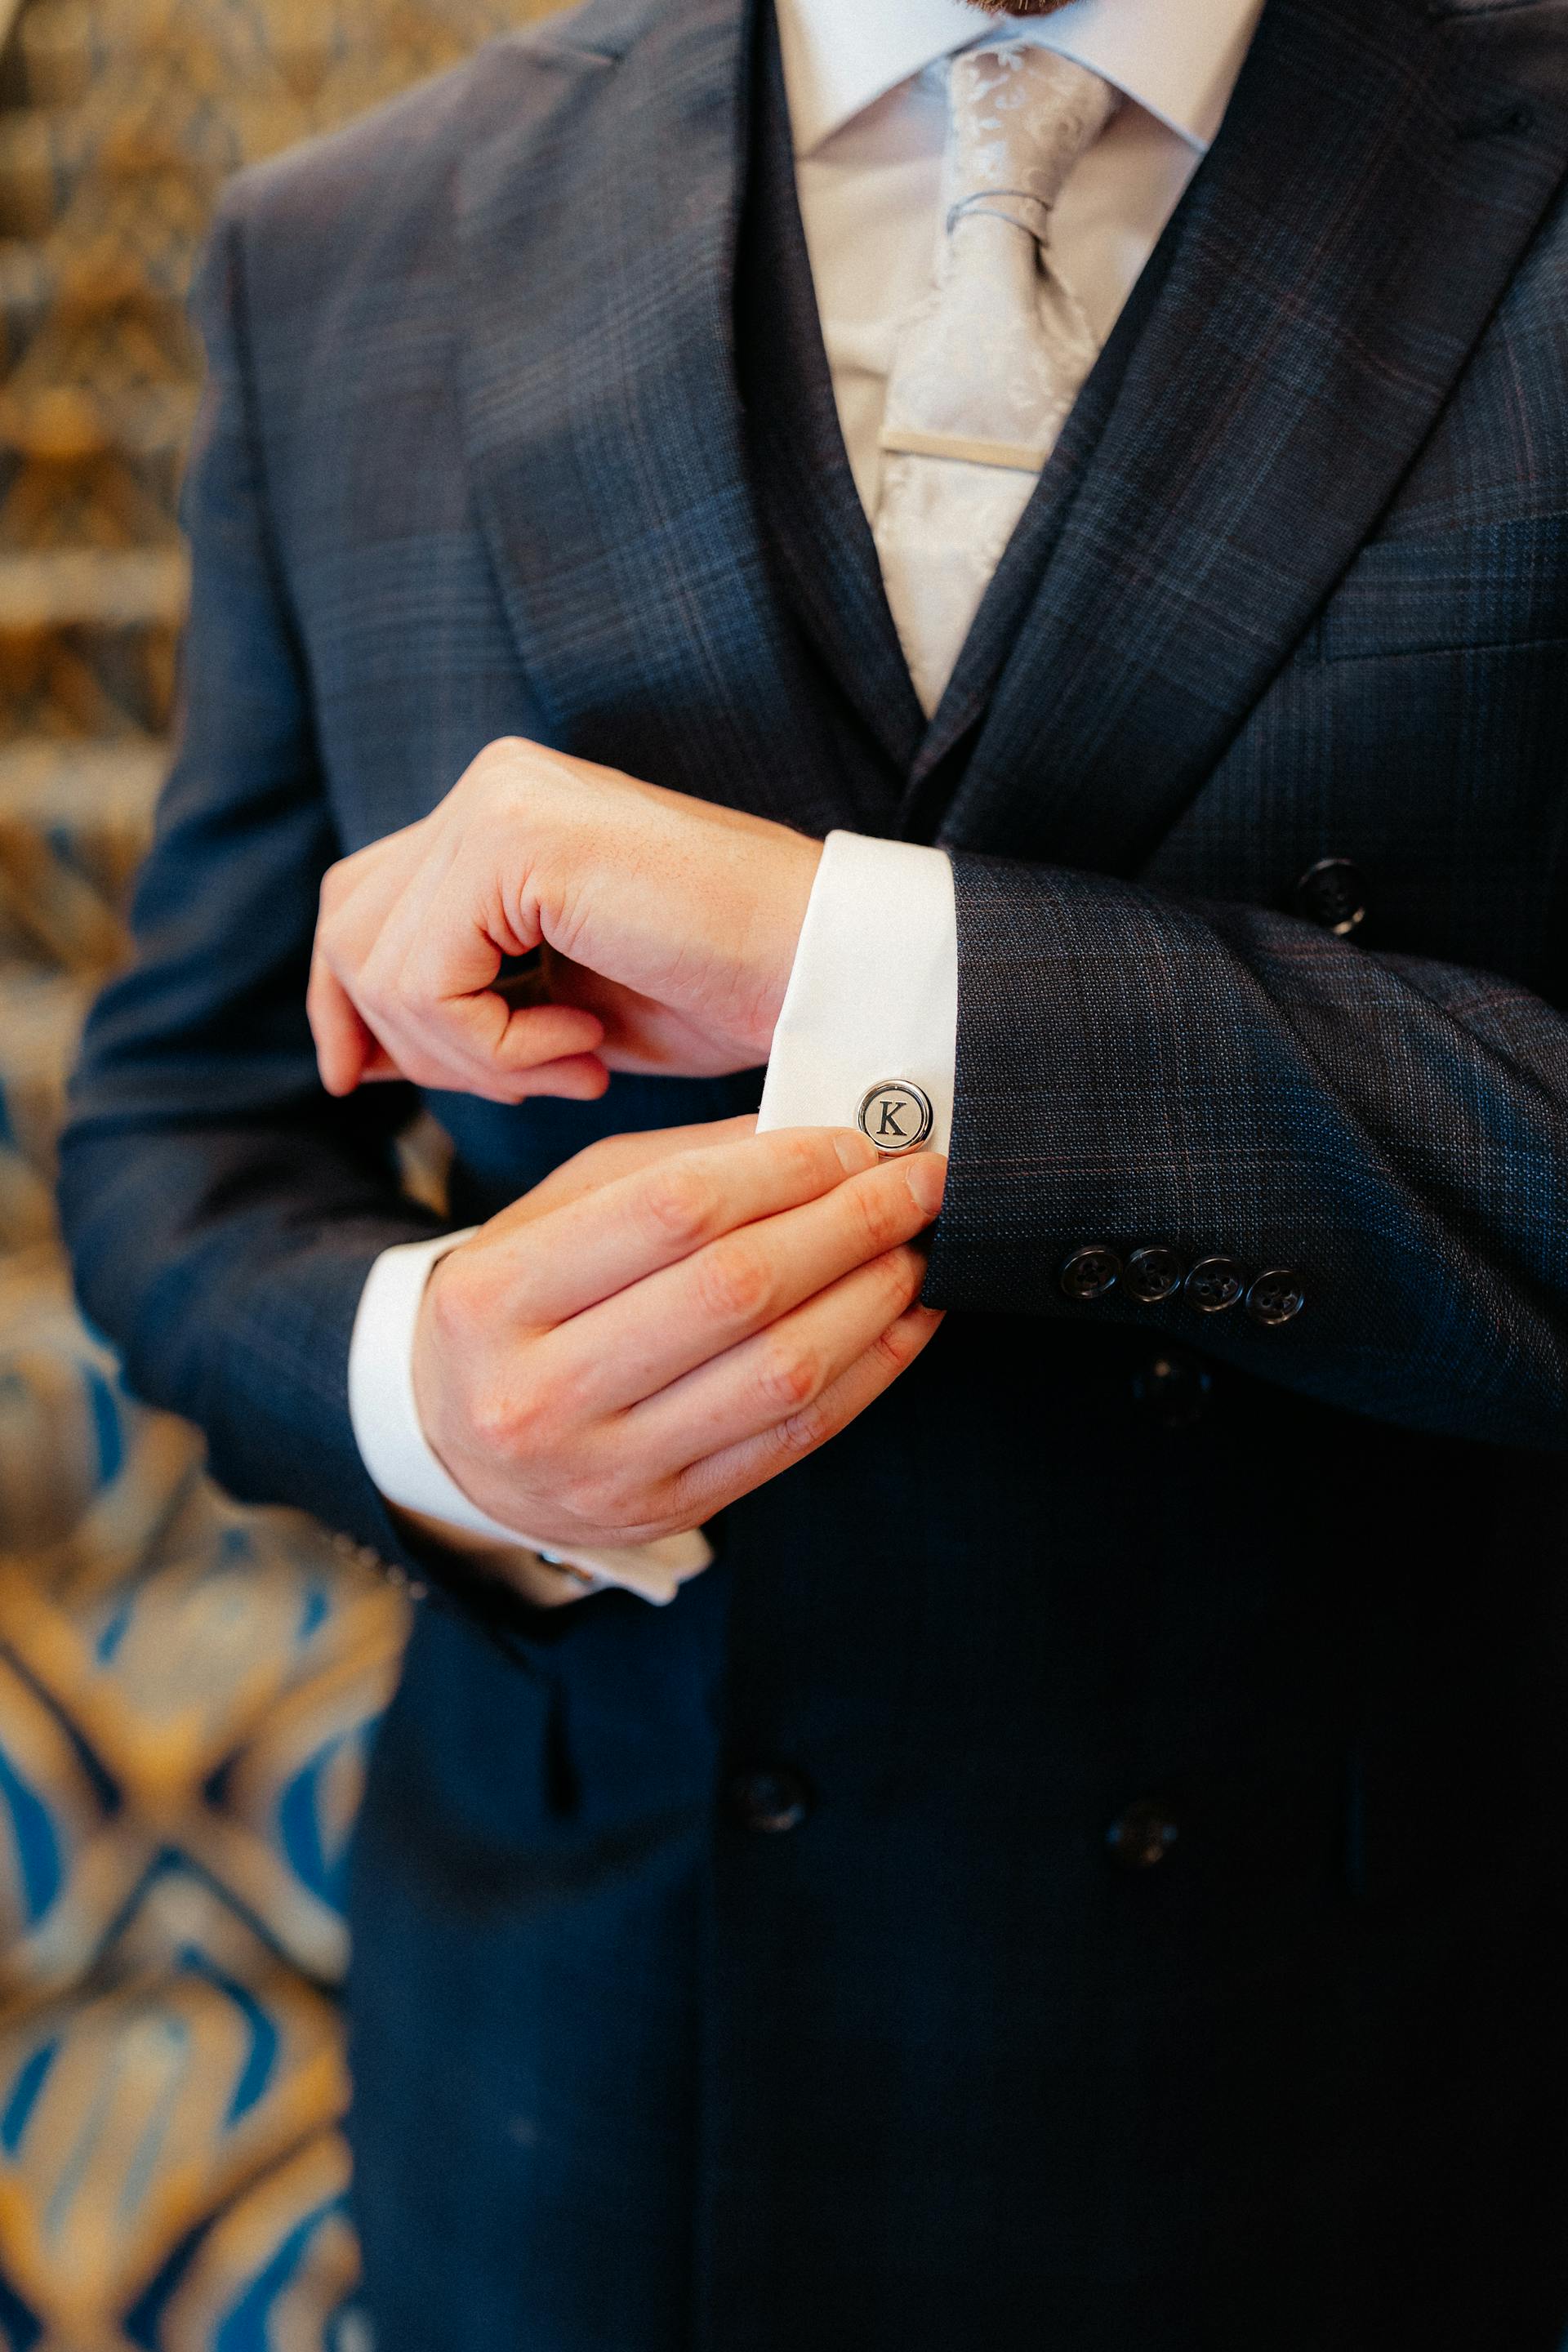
point(1177, 58)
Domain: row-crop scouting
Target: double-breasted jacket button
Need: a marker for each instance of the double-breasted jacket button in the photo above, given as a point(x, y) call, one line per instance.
point(1091, 1272)
point(1333, 895)
point(1154, 1274)
point(1143, 1837)
point(1276, 1296)
point(1173, 1392)
point(769, 1801)
point(1215, 1284)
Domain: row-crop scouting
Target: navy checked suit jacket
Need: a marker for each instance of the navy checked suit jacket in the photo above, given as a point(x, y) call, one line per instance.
point(1167, 1953)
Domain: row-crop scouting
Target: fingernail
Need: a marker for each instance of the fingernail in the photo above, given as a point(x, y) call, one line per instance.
point(855, 1153)
point(927, 1180)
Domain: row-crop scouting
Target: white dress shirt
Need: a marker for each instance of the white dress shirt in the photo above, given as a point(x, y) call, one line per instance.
point(868, 118)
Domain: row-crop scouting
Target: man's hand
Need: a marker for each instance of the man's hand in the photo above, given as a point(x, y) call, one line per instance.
point(669, 926)
point(667, 1322)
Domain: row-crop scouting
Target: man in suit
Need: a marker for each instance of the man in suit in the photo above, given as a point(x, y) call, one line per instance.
point(1085, 1862)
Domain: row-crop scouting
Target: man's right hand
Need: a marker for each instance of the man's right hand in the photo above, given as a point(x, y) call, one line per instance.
point(668, 1321)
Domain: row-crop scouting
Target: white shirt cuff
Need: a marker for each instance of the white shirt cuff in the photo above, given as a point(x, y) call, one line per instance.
point(403, 1467)
point(873, 991)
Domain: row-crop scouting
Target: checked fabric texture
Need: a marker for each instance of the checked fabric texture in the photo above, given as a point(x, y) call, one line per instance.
point(186, 1689)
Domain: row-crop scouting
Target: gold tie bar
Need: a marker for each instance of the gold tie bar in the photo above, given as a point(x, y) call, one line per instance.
point(901, 441)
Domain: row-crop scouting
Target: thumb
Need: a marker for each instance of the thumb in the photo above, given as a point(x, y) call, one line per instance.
point(345, 1047)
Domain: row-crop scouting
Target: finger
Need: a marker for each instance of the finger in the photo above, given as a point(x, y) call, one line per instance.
point(501, 1042)
point(462, 1047)
point(419, 946)
point(583, 1078)
point(431, 984)
point(652, 1218)
point(710, 1486)
point(578, 1077)
point(615, 1155)
point(670, 1322)
point(394, 1050)
point(344, 1044)
point(751, 1389)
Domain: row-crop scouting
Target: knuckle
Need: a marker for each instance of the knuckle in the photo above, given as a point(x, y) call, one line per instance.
point(871, 1206)
point(606, 1501)
point(806, 1156)
point(807, 1429)
point(372, 991)
point(686, 1499)
point(733, 1283)
point(902, 1272)
point(607, 1153)
point(564, 1402)
point(499, 757)
point(492, 1420)
point(582, 1490)
point(518, 1422)
point(894, 1349)
point(789, 1375)
point(678, 1201)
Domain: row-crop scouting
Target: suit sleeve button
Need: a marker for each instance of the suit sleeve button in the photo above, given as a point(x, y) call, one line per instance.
point(1333, 895)
point(1275, 1297)
point(1155, 1274)
point(1091, 1272)
point(1215, 1284)
point(769, 1804)
point(1142, 1837)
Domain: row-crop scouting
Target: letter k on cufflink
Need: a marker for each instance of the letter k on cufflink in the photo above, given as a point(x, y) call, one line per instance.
point(896, 1114)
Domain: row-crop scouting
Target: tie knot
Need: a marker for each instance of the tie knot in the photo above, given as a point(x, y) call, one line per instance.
point(1021, 118)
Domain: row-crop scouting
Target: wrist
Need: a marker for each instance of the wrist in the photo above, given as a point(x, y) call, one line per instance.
point(444, 1322)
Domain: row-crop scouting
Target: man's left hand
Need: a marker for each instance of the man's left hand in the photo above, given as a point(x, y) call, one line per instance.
point(669, 926)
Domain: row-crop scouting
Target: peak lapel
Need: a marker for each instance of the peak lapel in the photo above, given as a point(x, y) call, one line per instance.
point(601, 413)
point(1383, 167)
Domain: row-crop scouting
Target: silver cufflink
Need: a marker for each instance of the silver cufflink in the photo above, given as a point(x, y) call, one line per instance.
point(896, 1114)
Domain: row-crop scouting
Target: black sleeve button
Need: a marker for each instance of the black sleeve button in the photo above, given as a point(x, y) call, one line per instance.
point(1215, 1284)
point(769, 1804)
point(1091, 1272)
point(1142, 1837)
point(1333, 895)
point(1275, 1297)
point(1155, 1274)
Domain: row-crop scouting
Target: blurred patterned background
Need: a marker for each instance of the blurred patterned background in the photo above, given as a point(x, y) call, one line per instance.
point(186, 1689)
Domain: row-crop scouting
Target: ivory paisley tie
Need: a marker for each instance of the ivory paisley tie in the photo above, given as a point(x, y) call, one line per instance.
point(988, 364)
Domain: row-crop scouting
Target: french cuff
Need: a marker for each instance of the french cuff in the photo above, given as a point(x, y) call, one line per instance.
point(869, 1024)
point(404, 1469)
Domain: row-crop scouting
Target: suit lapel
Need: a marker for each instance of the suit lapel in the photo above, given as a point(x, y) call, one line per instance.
point(602, 422)
point(816, 523)
point(1380, 173)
